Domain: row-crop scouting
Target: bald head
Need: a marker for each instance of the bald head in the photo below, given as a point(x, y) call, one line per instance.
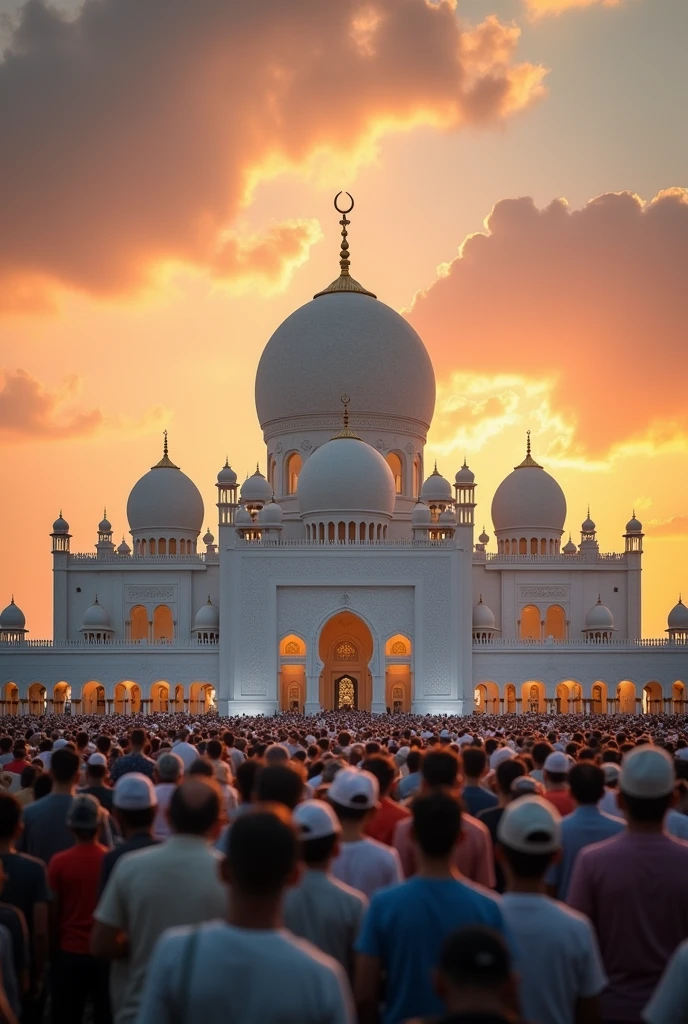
point(194, 808)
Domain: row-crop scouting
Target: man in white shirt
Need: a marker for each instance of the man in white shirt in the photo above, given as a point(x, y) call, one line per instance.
point(174, 883)
point(268, 975)
point(321, 908)
point(169, 771)
point(184, 749)
point(560, 968)
point(669, 1002)
point(363, 863)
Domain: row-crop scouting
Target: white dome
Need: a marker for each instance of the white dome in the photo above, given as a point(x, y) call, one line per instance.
point(226, 477)
point(243, 517)
point(207, 617)
point(96, 617)
point(599, 617)
point(12, 617)
point(678, 616)
point(465, 475)
point(346, 475)
point(529, 499)
point(421, 514)
point(483, 617)
point(484, 537)
point(165, 499)
point(208, 538)
point(588, 525)
point(447, 517)
point(436, 488)
point(123, 548)
point(270, 514)
point(570, 548)
point(60, 525)
point(345, 342)
point(256, 488)
point(634, 525)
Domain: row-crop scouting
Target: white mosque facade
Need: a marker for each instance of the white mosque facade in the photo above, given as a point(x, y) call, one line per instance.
point(347, 573)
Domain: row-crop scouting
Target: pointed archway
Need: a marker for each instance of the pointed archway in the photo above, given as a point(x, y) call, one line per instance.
point(346, 648)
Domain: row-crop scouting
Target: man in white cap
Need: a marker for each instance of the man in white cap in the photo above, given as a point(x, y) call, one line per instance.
point(363, 863)
point(634, 887)
point(321, 908)
point(555, 776)
point(94, 782)
point(135, 804)
point(559, 963)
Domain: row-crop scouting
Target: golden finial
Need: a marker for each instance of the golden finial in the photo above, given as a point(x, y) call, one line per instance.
point(529, 460)
point(226, 461)
point(345, 282)
point(165, 461)
point(346, 430)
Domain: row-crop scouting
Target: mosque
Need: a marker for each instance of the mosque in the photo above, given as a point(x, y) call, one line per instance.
point(346, 574)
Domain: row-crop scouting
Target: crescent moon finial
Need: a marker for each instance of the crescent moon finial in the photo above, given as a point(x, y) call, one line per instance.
point(338, 208)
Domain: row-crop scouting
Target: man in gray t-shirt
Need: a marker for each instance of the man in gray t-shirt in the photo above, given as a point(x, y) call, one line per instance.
point(321, 908)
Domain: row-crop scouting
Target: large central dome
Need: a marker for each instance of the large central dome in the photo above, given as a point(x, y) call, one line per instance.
point(345, 341)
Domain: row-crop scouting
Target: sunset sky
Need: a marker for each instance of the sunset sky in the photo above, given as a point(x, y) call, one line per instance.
point(167, 175)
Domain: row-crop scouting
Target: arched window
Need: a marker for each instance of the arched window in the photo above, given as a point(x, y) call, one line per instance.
point(543, 546)
point(398, 647)
point(272, 470)
point(293, 647)
point(151, 547)
point(523, 546)
point(507, 547)
point(395, 464)
point(345, 651)
point(163, 624)
point(293, 468)
point(533, 546)
point(162, 546)
point(530, 622)
point(416, 478)
point(173, 546)
point(139, 623)
point(555, 622)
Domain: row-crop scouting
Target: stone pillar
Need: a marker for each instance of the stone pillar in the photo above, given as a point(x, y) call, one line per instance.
point(519, 709)
point(312, 695)
point(378, 706)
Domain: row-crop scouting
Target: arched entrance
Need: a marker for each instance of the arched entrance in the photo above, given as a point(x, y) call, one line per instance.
point(530, 627)
point(625, 696)
point(37, 699)
point(202, 698)
point(510, 699)
point(160, 696)
point(292, 656)
point(93, 699)
point(533, 697)
point(10, 699)
point(678, 696)
point(62, 696)
point(599, 698)
point(346, 648)
point(653, 699)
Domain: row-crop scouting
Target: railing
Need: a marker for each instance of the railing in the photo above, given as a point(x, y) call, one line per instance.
point(612, 556)
point(108, 645)
point(136, 559)
point(401, 543)
point(540, 645)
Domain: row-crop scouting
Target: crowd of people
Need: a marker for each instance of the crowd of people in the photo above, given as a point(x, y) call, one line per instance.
point(173, 869)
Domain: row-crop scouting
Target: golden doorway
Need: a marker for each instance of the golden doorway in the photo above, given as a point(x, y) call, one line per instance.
point(345, 648)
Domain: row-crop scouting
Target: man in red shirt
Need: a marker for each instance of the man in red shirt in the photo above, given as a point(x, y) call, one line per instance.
point(74, 882)
point(556, 774)
point(19, 763)
point(381, 826)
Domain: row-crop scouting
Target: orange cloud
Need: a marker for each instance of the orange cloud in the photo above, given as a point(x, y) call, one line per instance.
point(136, 131)
point(591, 302)
point(538, 8)
point(30, 411)
point(676, 526)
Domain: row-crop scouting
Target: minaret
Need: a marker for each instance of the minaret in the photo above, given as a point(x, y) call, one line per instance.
point(105, 547)
point(589, 547)
point(634, 557)
point(61, 538)
point(464, 490)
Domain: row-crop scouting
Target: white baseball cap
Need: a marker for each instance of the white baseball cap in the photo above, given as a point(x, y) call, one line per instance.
point(530, 825)
point(99, 759)
point(499, 755)
point(557, 762)
point(445, 734)
point(647, 772)
point(134, 792)
point(315, 819)
point(611, 771)
point(59, 744)
point(356, 789)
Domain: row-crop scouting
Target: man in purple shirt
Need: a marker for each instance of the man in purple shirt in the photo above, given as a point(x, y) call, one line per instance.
point(634, 887)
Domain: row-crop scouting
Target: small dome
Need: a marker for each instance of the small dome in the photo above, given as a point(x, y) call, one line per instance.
point(529, 499)
point(465, 475)
point(207, 617)
point(588, 525)
point(634, 525)
point(104, 526)
point(123, 548)
point(208, 538)
point(226, 477)
point(60, 525)
point(599, 617)
point(270, 514)
point(12, 617)
point(421, 515)
point(243, 517)
point(483, 617)
point(484, 537)
point(256, 488)
point(436, 488)
point(447, 517)
point(570, 548)
point(678, 616)
point(346, 475)
point(165, 499)
point(96, 617)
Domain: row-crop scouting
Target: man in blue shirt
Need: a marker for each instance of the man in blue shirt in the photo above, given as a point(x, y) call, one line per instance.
point(475, 796)
point(586, 825)
point(406, 925)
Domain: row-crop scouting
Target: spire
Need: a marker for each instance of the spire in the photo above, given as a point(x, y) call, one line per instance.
point(435, 471)
point(165, 461)
point(346, 430)
point(529, 460)
point(345, 282)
